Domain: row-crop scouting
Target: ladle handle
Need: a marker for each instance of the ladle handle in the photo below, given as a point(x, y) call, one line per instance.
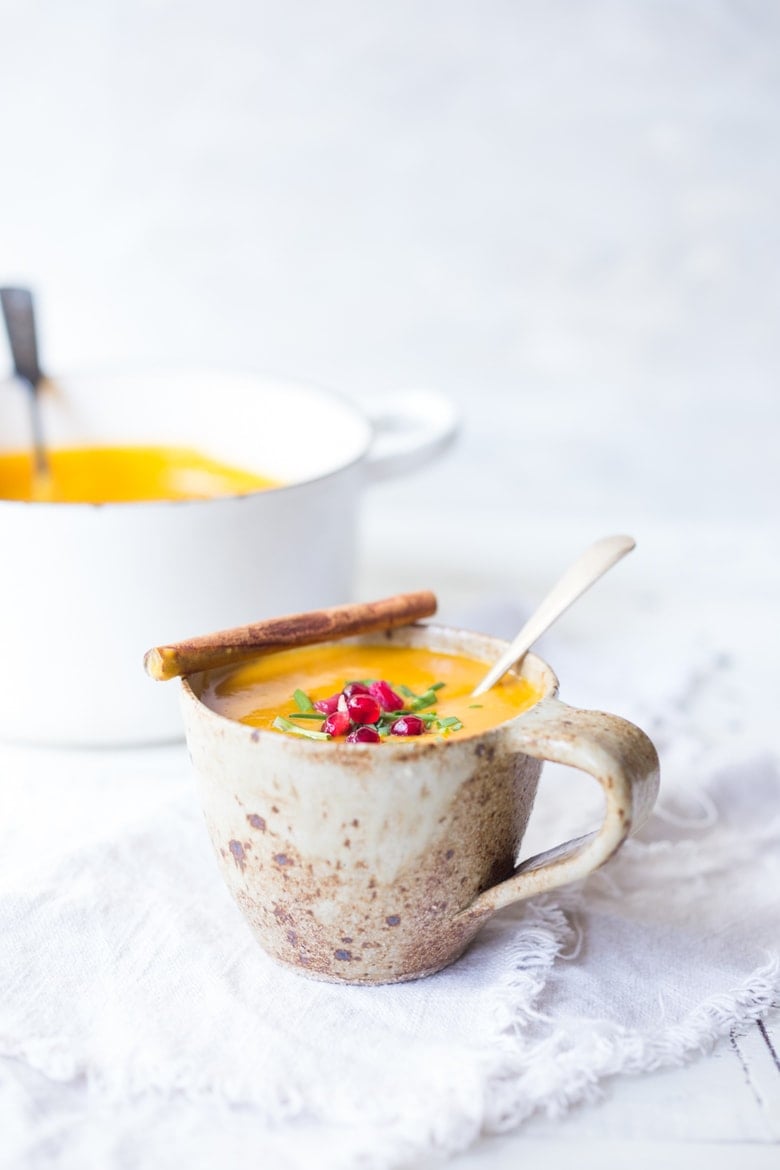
point(593, 563)
point(19, 313)
point(17, 305)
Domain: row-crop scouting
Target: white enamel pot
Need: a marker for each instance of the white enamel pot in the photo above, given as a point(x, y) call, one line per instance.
point(85, 589)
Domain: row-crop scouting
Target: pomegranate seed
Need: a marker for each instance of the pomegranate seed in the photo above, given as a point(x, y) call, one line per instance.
point(363, 709)
point(408, 725)
point(386, 696)
point(354, 689)
point(327, 706)
point(337, 723)
point(364, 735)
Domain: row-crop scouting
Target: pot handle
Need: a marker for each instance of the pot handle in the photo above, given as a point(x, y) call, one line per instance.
point(619, 756)
point(415, 427)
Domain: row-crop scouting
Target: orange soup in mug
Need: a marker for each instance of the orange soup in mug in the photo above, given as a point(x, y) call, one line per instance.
point(366, 693)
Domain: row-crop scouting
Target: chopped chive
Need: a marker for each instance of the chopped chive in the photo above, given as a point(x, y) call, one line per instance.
point(436, 686)
point(451, 723)
point(302, 700)
point(306, 715)
point(407, 692)
point(282, 724)
point(475, 706)
point(391, 716)
point(425, 700)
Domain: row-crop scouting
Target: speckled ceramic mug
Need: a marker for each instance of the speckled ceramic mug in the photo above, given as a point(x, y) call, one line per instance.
point(375, 864)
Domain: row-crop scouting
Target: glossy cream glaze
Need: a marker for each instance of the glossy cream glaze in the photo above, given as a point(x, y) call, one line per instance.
point(103, 475)
point(258, 691)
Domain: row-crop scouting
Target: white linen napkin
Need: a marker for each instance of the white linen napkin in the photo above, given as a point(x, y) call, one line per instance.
point(132, 994)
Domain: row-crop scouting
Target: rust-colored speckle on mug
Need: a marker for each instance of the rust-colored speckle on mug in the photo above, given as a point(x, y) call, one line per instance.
point(239, 855)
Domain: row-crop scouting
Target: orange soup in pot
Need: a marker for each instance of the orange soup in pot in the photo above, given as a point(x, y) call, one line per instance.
point(122, 474)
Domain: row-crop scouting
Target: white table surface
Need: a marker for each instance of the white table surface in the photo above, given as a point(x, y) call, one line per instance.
point(726, 1104)
point(563, 215)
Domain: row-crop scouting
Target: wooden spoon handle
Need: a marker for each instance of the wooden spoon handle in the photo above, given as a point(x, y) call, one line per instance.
point(283, 633)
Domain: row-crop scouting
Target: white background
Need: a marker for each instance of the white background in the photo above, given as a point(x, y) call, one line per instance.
point(562, 214)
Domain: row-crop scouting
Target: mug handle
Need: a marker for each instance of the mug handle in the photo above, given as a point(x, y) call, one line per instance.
point(415, 427)
point(612, 750)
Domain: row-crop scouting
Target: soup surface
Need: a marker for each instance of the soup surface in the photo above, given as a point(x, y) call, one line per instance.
point(279, 691)
point(105, 475)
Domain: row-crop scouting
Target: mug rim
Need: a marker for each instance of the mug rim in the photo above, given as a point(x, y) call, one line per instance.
point(99, 375)
point(248, 733)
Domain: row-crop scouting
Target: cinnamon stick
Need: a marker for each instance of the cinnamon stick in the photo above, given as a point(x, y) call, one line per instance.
point(283, 633)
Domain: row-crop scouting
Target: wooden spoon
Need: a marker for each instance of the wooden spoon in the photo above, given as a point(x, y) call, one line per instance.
point(593, 563)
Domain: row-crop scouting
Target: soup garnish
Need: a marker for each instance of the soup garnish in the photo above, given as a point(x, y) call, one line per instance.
point(369, 711)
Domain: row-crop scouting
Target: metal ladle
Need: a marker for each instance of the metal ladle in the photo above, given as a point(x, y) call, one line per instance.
point(19, 314)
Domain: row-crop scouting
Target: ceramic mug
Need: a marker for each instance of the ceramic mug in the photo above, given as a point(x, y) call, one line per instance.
point(377, 864)
point(86, 588)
